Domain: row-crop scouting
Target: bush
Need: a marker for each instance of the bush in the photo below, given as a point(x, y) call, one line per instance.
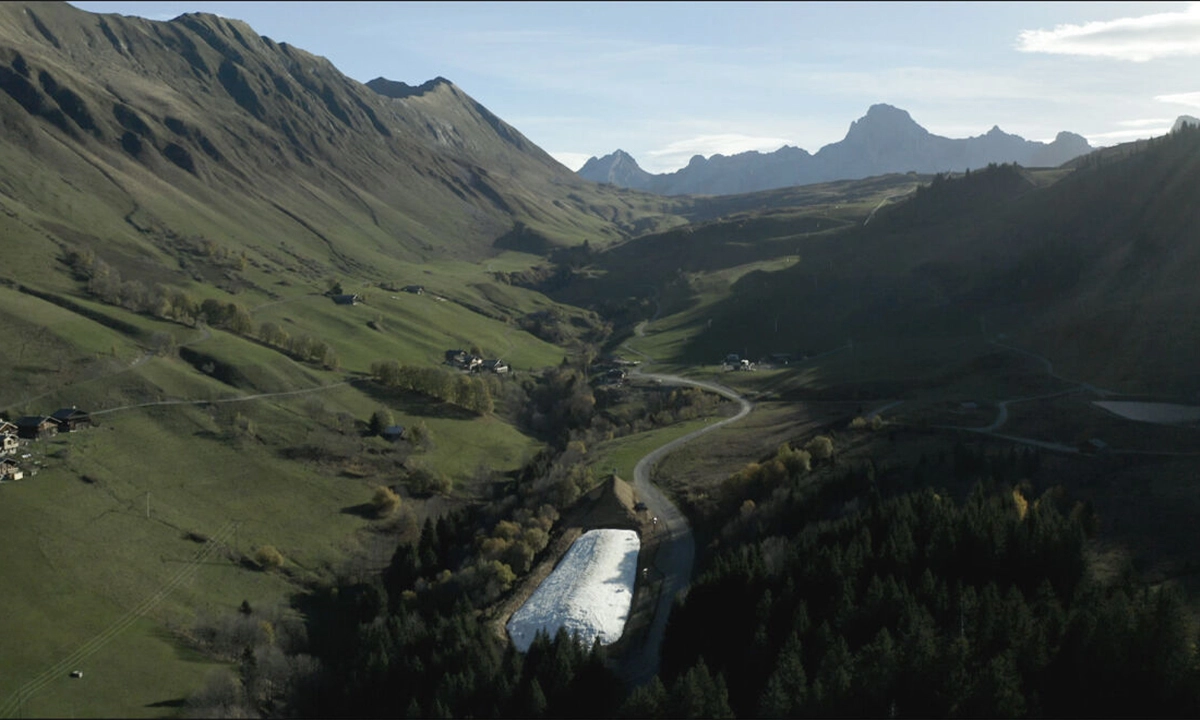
point(820, 447)
point(380, 421)
point(268, 557)
point(385, 501)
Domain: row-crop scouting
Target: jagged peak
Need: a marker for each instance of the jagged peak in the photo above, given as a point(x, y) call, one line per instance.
point(884, 118)
point(399, 90)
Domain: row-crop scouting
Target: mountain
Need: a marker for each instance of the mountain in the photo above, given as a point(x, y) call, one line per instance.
point(885, 140)
point(618, 168)
point(135, 137)
point(1093, 267)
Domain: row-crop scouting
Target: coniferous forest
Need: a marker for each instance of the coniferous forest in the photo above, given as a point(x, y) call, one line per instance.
point(913, 605)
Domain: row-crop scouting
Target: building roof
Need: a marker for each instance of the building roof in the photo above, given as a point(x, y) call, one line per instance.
point(68, 413)
point(31, 420)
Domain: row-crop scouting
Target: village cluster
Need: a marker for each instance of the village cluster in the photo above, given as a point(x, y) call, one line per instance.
point(15, 434)
point(469, 362)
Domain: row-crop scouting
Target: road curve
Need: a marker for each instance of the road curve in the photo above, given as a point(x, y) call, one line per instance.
point(677, 547)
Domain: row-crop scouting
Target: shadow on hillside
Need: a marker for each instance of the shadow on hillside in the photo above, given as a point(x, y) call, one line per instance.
point(176, 703)
point(417, 404)
point(366, 511)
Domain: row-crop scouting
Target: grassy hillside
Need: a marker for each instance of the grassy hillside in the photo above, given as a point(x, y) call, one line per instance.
point(190, 161)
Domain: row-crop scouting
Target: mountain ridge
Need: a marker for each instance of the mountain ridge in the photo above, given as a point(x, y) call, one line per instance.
point(251, 135)
point(885, 140)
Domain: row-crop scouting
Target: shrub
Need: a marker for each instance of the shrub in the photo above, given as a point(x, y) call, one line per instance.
point(820, 447)
point(380, 421)
point(268, 557)
point(385, 501)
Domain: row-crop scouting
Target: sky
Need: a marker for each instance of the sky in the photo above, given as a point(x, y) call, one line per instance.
point(666, 81)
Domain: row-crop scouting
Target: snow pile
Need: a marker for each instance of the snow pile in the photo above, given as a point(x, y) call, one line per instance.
point(589, 593)
point(1152, 412)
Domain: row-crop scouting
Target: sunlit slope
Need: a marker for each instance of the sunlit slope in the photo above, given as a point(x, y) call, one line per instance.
point(138, 136)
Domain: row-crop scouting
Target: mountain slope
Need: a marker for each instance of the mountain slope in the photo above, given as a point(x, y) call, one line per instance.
point(885, 140)
point(128, 134)
point(1096, 271)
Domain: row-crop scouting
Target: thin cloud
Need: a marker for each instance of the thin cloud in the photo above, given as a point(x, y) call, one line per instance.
point(722, 144)
point(1106, 138)
point(1146, 122)
point(1137, 39)
point(1191, 99)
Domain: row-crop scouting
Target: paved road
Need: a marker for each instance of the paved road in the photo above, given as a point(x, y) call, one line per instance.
point(677, 549)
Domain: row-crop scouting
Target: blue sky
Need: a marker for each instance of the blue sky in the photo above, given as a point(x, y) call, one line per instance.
point(665, 81)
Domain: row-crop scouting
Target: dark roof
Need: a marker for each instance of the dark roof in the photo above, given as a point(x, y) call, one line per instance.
point(31, 420)
point(392, 431)
point(345, 299)
point(68, 413)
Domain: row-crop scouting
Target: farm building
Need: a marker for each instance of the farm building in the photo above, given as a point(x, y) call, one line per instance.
point(9, 470)
point(496, 366)
point(414, 289)
point(347, 299)
point(70, 419)
point(9, 443)
point(32, 427)
point(392, 433)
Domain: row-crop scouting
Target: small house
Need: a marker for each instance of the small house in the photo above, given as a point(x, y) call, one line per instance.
point(347, 299)
point(392, 433)
point(71, 419)
point(414, 289)
point(497, 366)
point(7, 428)
point(33, 427)
point(473, 363)
point(9, 444)
point(9, 470)
point(456, 357)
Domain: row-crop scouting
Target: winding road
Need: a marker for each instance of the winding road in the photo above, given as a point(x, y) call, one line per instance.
point(677, 548)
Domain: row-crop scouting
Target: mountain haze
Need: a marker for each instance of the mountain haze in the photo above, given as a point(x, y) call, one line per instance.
point(885, 140)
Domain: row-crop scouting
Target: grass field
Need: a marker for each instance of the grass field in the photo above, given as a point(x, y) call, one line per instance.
point(79, 542)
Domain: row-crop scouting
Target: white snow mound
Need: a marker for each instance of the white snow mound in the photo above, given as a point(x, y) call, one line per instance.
point(589, 593)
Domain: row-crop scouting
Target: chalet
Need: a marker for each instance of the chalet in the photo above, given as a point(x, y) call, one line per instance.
point(392, 433)
point(32, 427)
point(497, 366)
point(70, 419)
point(9, 444)
point(7, 428)
point(9, 470)
point(414, 289)
point(347, 299)
point(472, 363)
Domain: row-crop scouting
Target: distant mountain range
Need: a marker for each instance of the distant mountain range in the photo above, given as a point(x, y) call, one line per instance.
point(885, 140)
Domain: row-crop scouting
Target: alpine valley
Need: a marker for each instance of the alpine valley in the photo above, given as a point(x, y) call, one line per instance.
point(309, 384)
